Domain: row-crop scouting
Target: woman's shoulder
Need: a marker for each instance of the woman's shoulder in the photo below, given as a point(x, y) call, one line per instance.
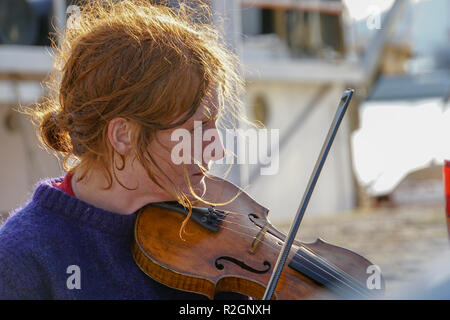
point(21, 241)
point(52, 215)
point(21, 227)
point(27, 236)
point(30, 221)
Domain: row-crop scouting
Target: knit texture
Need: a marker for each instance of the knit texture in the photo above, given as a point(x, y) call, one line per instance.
point(54, 231)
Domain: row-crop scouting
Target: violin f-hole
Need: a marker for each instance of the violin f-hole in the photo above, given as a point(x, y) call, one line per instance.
point(241, 264)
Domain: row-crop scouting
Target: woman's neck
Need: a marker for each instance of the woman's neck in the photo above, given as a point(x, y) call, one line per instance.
point(92, 189)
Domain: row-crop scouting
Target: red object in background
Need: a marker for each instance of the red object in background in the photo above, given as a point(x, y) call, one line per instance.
point(447, 192)
point(447, 186)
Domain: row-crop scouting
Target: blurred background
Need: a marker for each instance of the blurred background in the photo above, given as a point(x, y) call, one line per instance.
point(381, 192)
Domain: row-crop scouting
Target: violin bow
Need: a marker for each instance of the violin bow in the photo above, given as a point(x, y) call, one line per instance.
point(342, 107)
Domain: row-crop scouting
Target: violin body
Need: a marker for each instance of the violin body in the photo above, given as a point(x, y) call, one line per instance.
point(227, 251)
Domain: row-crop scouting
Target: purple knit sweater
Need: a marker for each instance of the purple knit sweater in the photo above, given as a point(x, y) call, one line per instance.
point(59, 247)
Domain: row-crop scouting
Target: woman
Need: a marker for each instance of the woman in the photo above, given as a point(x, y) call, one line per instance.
point(132, 74)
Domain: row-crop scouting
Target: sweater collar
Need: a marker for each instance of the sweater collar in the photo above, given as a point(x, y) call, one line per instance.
point(59, 202)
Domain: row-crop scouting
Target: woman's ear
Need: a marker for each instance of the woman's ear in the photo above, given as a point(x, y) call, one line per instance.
point(119, 135)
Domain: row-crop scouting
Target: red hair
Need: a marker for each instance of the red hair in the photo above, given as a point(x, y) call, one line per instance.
point(131, 59)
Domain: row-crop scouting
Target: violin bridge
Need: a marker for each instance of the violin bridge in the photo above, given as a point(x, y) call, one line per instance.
point(258, 238)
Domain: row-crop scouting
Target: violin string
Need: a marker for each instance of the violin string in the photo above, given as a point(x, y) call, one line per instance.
point(235, 213)
point(232, 230)
point(339, 272)
point(312, 271)
point(235, 223)
point(236, 218)
point(343, 273)
point(301, 257)
point(240, 224)
point(307, 260)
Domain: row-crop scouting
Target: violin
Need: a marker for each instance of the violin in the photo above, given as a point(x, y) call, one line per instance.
point(235, 248)
point(235, 252)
